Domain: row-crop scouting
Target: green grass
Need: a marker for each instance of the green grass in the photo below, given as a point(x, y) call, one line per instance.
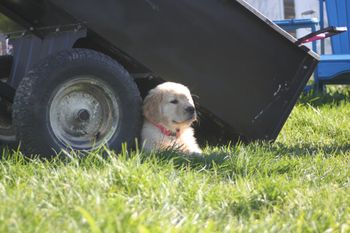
point(300, 183)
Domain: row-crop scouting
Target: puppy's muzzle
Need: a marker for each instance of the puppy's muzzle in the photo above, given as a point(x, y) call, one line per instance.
point(190, 110)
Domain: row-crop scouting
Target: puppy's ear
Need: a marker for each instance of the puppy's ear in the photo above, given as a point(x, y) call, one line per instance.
point(151, 106)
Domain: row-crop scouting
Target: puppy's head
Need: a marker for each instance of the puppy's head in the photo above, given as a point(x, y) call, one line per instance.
point(170, 104)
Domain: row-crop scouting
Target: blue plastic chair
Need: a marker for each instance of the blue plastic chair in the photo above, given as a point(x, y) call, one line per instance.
point(335, 68)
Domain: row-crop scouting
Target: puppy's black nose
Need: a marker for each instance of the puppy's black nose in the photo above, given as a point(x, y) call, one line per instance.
point(190, 109)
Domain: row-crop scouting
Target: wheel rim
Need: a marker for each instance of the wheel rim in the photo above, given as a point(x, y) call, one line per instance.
point(84, 113)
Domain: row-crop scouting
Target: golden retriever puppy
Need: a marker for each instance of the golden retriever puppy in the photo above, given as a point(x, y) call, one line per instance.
point(169, 111)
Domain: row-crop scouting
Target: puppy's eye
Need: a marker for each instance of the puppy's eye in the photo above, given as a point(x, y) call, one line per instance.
point(174, 101)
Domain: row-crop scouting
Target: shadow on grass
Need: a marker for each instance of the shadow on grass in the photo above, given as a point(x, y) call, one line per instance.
point(194, 161)
point(334, 97)
point(229, 156)
point(257, 151)
point(309, 150)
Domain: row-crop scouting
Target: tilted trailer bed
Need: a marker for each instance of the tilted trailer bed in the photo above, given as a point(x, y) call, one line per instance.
point(80, 68)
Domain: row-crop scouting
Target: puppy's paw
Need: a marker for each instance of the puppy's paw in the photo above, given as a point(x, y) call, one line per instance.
point(196, 152)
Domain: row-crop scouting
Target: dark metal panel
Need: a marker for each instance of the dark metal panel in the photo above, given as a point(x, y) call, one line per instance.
point(34, 13)
point(29, 49)
point(7, 92)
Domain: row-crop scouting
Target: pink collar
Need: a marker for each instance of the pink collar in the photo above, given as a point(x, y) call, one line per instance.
point(168, 132)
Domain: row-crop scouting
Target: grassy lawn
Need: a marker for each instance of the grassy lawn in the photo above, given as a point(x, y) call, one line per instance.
point(300, 183)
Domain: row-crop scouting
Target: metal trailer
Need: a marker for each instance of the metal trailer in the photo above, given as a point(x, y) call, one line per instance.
point(80, 68)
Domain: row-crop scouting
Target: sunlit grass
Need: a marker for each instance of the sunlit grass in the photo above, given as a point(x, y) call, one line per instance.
point(300, 183)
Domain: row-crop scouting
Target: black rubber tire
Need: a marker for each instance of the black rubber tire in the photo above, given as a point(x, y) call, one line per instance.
point(7, 135)
point(32, 100)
